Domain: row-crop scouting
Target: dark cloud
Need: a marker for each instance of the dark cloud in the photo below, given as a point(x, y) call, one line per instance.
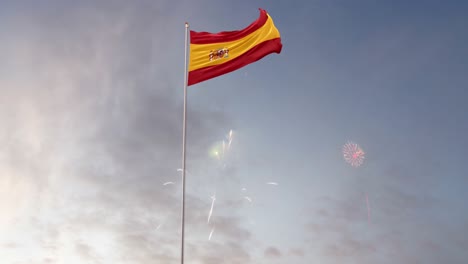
point(229, 227)
point(216, 252)
point(396, 227)
point(349, 248)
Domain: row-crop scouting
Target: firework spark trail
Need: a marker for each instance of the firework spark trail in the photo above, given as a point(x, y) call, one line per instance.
point(167, 183)
point(158, 226)
point(186, 171)
point(229, 139)
point(368, 208)
point(248, 198)
point(243, 189)
point(220, 154)
point(211, 233)
point(213, 198)
point(272, 183)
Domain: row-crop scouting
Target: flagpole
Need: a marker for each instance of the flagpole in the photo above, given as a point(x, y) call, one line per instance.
point(184, 133)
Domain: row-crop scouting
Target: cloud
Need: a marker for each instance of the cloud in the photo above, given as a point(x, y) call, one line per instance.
point(298, 252)
point(85, 252)
point(216, 252)
point(9, 245)
point(349, 248)
point(48, 261)
point(272, 252)
point(91, 128)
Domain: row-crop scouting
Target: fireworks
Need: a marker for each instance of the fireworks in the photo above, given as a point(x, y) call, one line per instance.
point(213, 198)
point(220, 149)
point(353, 154)
point(186, 171)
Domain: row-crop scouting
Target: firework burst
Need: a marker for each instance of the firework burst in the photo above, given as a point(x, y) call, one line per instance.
point(353, 154)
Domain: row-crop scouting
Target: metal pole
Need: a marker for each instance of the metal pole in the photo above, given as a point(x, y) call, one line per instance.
point(184, 132)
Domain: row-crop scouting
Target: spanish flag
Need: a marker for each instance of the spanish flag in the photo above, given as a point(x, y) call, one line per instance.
point(215, 54)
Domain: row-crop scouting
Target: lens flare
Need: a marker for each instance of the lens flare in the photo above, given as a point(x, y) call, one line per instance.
point(216, 150)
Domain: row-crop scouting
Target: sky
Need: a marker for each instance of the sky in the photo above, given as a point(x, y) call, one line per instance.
point(91, 102)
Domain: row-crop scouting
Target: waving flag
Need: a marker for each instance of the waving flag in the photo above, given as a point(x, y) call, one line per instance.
point(215, 54)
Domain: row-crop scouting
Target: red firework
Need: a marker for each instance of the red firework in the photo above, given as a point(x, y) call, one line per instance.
point(353, 154)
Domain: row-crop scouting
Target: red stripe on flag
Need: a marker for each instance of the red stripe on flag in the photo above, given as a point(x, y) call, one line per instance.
point(253, 55)
point(226, 36)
